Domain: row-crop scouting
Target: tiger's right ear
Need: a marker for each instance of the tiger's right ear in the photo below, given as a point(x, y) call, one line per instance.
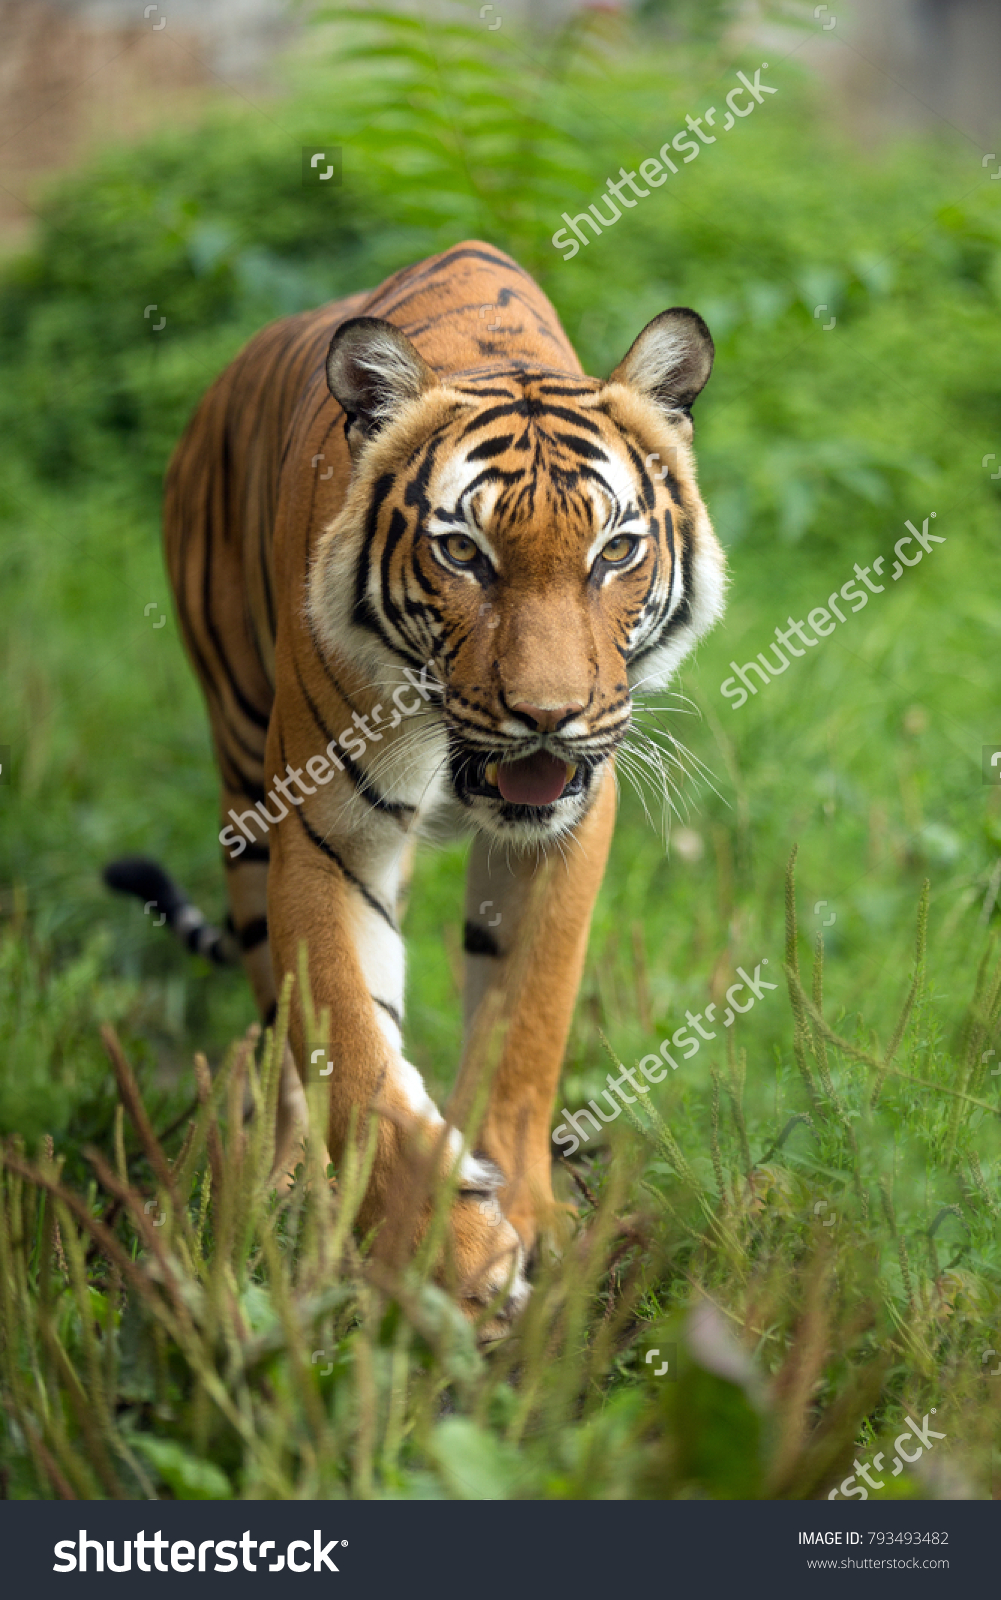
point(373, 369)
point(670, 361)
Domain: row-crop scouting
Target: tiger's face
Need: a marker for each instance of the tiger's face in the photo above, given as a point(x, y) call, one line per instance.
point(539, 538)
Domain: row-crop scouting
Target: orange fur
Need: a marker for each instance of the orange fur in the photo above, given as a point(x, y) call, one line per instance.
point(465, 561)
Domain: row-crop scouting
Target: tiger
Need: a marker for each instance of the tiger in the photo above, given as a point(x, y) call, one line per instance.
point(421, 565)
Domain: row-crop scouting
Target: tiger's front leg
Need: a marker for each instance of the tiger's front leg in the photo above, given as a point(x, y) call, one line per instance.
point(337, 890)
point(527, 922)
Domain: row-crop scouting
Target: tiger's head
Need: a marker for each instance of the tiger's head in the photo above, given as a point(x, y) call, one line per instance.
point(539, 537)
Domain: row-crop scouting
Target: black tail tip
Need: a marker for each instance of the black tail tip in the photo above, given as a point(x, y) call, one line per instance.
point(145, 879)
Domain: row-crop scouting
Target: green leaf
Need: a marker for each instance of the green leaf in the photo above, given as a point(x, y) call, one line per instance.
point(473, 1464)
point(186, 1476)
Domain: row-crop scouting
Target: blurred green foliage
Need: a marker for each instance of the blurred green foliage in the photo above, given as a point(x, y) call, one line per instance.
point(254, 1349)
point(813, 447)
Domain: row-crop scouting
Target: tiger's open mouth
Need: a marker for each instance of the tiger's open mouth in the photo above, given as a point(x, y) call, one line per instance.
point(535, 780)
point(532, 781)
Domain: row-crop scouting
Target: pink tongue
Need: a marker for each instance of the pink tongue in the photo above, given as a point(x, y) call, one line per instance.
point(535, 781)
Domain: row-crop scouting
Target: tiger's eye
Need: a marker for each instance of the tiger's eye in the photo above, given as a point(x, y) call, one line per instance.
point(616, 550)
point(461, 548)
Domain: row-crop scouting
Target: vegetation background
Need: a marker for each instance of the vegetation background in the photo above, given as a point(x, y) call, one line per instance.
point(814, 1338)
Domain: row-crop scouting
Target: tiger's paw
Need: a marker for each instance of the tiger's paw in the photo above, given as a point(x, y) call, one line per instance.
point(545, 1225)
point(487, 1254)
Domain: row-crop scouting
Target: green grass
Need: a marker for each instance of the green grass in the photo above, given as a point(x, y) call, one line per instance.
point(814, 448)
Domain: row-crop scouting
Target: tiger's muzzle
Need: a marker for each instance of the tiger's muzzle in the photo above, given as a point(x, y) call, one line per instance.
point(534, 787)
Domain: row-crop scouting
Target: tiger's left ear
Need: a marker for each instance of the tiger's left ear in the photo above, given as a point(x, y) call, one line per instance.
point(670, 362)
point(373, 369)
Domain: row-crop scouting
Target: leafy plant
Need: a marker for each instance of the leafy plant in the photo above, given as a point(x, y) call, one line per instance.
point(218, 1338)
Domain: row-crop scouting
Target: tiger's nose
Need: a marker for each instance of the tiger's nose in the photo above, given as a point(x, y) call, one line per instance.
point(547, 718)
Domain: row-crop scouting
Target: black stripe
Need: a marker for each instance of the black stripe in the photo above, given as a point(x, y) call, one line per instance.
point(479, 941)
point(395, 532)
point(682, 612)
point(583, 447)
point(241, 789)
point(669, 536)
point(411, 277)
point(519, 372)
point(266, 501)
point(480, 394)
point(253, 852)
point(490, 447)
point(684, 609)
point(295, 349)
point(530, 408)
point(512, 408)
point(175, 496)
point(505, 295)
point(494, 475)
point(271, 1014)
point(359, 777)
point(253, 934)
point(390, 1011)
point(253, 714)
point(362, 612)
point(228, 733)
point(219, 952)
point(366, 894)
point(328, 670)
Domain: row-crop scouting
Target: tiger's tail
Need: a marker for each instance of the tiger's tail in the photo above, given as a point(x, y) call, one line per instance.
point(148, 882)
